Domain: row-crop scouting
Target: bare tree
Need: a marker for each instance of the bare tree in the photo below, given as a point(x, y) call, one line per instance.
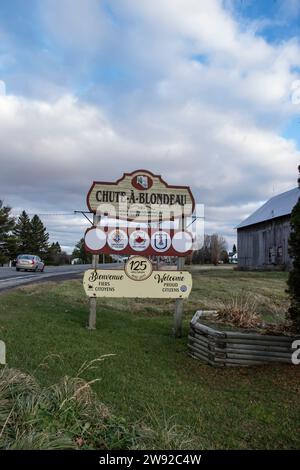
point(213, 249)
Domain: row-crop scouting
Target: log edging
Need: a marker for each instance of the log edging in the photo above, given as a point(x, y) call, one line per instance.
point(230, 348)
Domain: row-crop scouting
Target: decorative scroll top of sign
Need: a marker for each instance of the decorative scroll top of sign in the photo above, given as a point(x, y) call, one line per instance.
point(140, 195)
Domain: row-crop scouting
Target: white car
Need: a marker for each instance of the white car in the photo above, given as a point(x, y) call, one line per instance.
point(30, 263)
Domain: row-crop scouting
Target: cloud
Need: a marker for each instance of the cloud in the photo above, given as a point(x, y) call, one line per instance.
point(52, 152)
point(2, 88)
point(80, 25)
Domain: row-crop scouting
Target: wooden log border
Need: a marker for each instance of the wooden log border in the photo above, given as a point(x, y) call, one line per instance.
point(229, 348)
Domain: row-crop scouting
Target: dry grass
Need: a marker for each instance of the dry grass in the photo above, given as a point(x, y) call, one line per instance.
point(164, 433)
point(66, 415)
point(240, 311)
point(69, 415)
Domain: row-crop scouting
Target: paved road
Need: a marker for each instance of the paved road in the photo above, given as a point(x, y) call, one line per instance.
point(10, 278)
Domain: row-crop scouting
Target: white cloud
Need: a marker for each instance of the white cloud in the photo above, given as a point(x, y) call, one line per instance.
point(52, 152)
point(213, 124)
point(2, 88)
point(80, 25)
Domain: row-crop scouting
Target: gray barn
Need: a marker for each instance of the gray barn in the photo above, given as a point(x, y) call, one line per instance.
point(262, 238)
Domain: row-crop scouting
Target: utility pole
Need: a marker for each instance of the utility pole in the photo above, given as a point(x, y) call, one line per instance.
point(93, 300)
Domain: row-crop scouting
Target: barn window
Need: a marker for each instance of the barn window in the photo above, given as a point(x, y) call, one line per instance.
point(271, 255)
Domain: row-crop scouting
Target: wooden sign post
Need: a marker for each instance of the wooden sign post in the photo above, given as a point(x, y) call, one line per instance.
point(178, 313)
point(93, 301)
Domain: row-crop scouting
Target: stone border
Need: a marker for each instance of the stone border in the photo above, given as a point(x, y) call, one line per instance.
point(228, 348)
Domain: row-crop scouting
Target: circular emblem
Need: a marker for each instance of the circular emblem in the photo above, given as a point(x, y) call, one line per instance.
point(183, 288)
point(138, 268)
point(182, 242)
point(160, 241)
point(139, 240)
point(95, 239)
point(142, 182)
point(117, 239)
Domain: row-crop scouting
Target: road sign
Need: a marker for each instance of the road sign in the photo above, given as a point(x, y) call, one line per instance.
point(141, 196)
point(121, 283)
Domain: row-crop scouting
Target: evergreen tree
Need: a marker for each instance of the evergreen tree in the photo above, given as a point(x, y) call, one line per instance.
point(294, 275)
point(57, 247)
point(22, 232)
point(54, 254)
point(234, 249)
point(7, 223)
point(79, 252)
point(38, 237)
point(10, 248)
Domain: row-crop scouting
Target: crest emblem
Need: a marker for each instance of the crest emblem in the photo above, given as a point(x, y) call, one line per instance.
point(161, 241)
point(142, 182)
point(117, 239)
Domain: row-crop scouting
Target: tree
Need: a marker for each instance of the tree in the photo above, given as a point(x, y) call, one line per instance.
point(294, 275)
point(22, 232)
point(224, 256)
point(7, 223)
point(218, 245)
point(213, 249)
point(10, 248)
point(234, 249)
point(38, 236)
point(79, 252)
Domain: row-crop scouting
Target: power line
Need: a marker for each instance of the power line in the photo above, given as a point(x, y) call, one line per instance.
point(44, 214)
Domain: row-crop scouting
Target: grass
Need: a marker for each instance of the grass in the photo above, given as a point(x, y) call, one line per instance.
point(150, 379)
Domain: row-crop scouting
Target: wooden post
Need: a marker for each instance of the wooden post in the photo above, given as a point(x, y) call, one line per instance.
point(177, 329)
point(178, 313)
point(93, 300)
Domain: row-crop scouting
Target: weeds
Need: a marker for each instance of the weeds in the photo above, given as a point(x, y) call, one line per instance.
point(63, 416)
point(168, 435)
point(240, 311)
point(68, 415)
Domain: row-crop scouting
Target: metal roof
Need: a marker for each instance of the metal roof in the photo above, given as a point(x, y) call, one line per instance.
point(277, 206)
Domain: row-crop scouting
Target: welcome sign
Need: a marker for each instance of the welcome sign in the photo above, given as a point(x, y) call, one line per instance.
point(117, 283)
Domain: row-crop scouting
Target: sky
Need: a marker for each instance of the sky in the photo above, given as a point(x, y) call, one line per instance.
point(205, 93)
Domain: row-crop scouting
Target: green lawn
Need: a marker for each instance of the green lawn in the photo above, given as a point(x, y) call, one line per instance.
point(150, 378)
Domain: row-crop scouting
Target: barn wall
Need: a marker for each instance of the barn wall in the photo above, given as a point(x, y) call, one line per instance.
point(264, 245)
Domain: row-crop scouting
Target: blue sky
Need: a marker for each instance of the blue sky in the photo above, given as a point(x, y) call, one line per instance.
point(206, 93)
